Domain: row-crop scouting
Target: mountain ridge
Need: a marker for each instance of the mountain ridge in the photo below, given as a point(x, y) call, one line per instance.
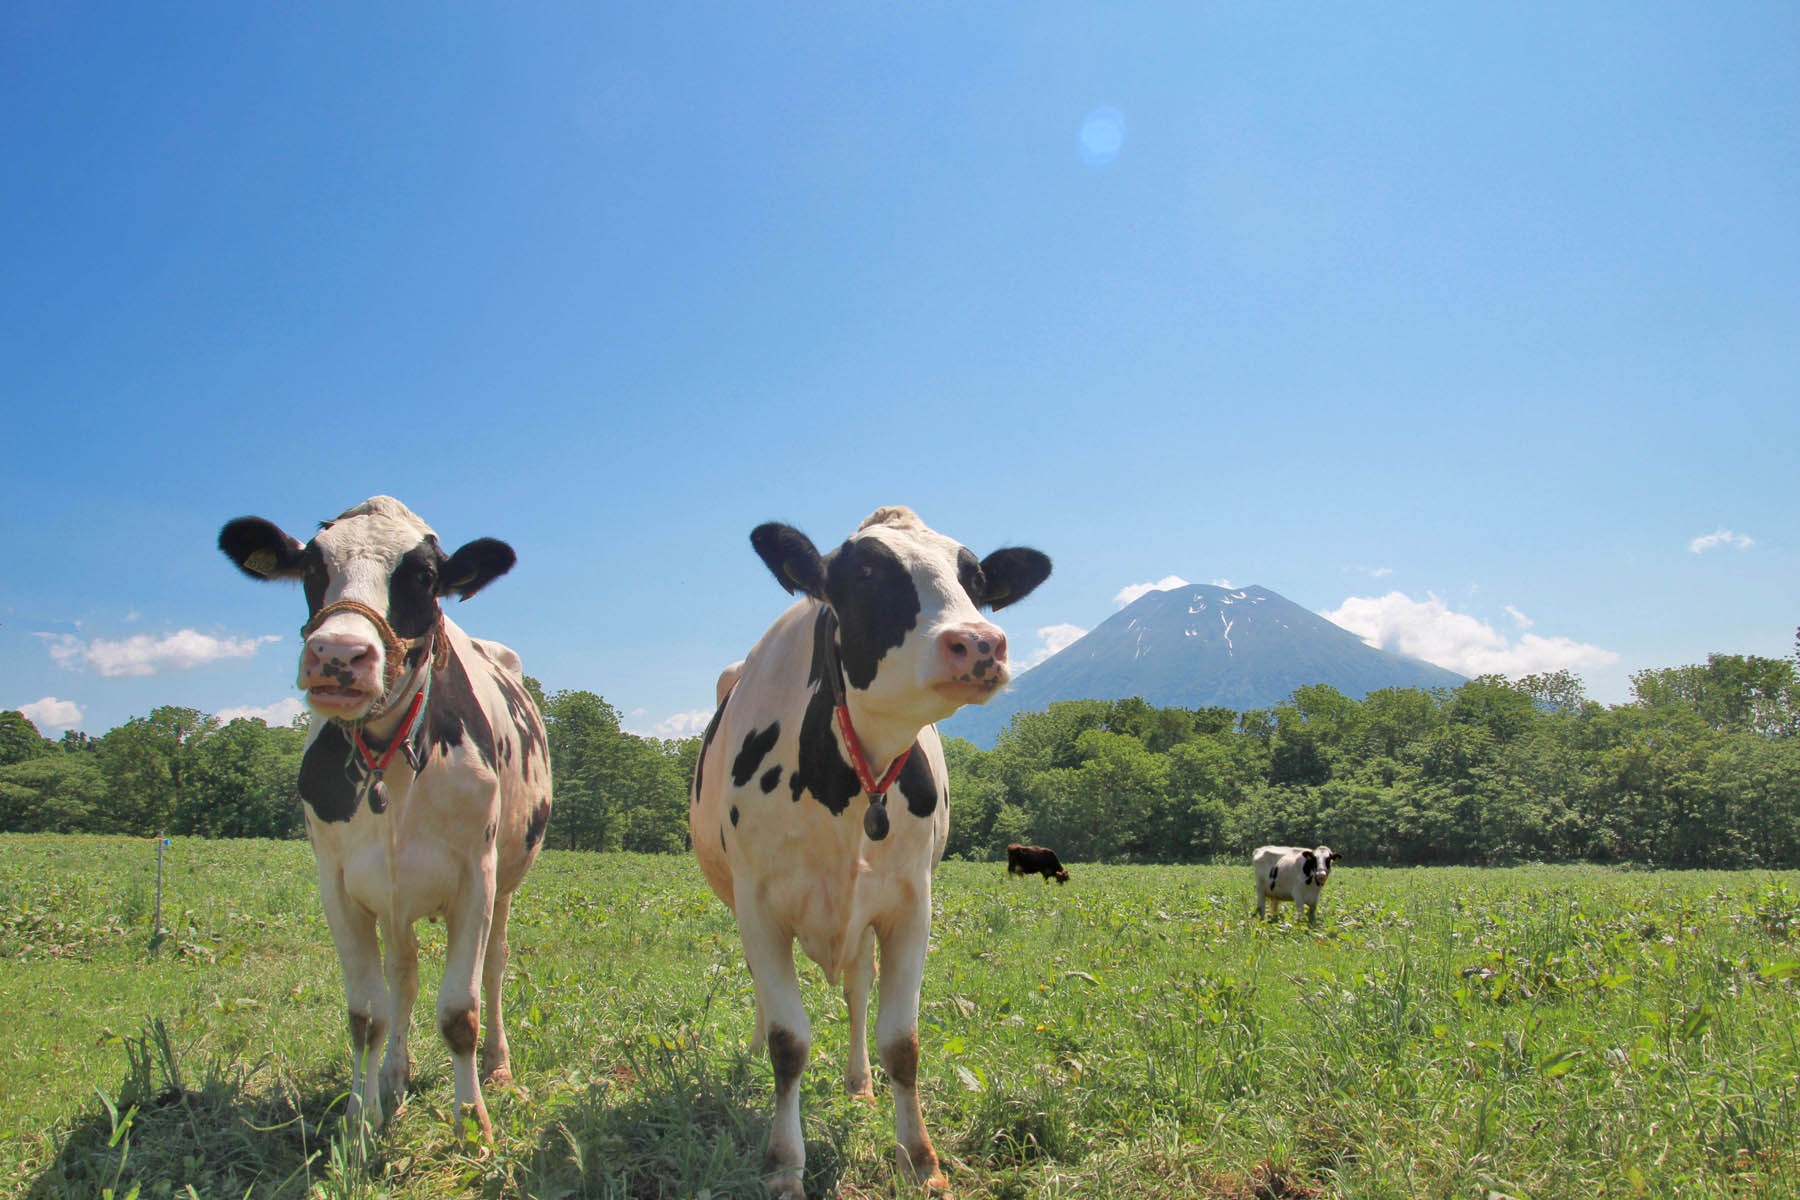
point(1197, 646)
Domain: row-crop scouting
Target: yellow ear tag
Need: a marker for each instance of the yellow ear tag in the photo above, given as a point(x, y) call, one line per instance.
point(261, 561)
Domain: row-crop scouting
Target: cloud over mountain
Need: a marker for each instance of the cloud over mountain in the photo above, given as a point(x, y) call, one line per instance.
point(1427, 629)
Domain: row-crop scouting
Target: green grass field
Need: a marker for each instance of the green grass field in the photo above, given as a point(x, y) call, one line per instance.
point(1539, 1032)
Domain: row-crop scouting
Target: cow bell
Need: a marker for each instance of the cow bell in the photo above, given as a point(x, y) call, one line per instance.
point(875, 820)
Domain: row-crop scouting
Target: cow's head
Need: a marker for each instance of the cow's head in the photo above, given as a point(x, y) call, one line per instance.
point(1315, 865)
point(909, 633)
point(375, 558)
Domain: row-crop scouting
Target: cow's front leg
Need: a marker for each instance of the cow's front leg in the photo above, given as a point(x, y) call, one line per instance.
point(496, 1057)
point(403, 984)
point(366, 995)
point(770, 954)
point(458, 1016)
point(897, 1038)
point(858, 980)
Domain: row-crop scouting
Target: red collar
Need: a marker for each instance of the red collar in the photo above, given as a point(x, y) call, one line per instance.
point(877, 791)
point(378, 765)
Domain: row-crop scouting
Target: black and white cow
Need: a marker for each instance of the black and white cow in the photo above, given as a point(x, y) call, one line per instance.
point(1291, 873)
point(426, 779)
point(831, 715)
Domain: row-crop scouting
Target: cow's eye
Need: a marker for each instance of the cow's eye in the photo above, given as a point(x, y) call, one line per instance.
point(425, 576)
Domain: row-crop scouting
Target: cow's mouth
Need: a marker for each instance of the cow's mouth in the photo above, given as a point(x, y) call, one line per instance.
point(330, 697)
point(968, 690)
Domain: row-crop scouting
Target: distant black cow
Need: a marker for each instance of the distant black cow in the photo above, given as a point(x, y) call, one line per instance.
point(1035, 860)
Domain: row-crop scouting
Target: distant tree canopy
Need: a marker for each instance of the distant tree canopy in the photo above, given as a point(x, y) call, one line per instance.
point(1702, 768)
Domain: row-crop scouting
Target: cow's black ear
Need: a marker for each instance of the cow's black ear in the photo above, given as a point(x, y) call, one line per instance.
point(791, 558)
point(474, 567)
point(1012, 574)
point(261, 550)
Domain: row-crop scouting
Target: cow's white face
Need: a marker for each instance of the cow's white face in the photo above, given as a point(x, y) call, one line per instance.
point(910, 635)
point(1315, 865)
point(378, 555)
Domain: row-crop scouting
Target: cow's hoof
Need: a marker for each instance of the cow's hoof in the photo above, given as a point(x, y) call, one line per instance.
point(498, 1073)
point(923, 1170)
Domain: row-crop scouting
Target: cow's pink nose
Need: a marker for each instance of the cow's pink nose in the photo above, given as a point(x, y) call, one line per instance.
point(976, 651)
point(338, 657)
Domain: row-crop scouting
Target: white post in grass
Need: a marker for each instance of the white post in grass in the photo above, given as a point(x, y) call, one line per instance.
point(156, 929)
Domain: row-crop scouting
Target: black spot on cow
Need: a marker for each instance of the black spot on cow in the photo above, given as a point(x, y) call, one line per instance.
point(1272, 873)
point(749, 758)
point(771, 778)
point(455, 715)
point(734, 814)
point(412, 589)
point(706, 739)
point(488, 833)
point(525, 719)
point(876, 604)
point(787, 1055)
point(821, 769)
point(540, 818)
point(917, 785)
point(323, 783)
point(722, 839)
point(968, 573)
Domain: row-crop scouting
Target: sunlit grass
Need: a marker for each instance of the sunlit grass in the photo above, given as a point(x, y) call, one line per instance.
point(1535, 1032)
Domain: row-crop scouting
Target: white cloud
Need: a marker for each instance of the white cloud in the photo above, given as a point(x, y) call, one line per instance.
point(50, 713)
point(146, 655)
point(277, 715)
point(679, 725)
point(1223, 583)
point(1523, 621)
point(1052, 639)
point(1128, 594)
point(1718, 538)
point(1427, 629)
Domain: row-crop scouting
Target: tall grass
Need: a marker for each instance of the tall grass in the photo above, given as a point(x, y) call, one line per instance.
point(1538, 1032)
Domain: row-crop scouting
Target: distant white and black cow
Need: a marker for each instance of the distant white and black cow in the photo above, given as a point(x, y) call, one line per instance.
point(820, 806)
point(426, 778)
point(1291, 873)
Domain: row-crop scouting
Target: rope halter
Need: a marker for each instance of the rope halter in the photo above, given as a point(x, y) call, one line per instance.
point(394, 647)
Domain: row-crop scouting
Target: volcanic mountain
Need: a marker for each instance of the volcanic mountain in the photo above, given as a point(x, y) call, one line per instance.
point(1196, 646)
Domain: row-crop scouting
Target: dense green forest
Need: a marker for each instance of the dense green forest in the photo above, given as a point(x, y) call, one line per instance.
point(1701, 768)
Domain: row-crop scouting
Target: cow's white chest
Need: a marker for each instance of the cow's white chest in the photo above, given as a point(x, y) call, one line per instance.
point(828, 890)
point(414, 859)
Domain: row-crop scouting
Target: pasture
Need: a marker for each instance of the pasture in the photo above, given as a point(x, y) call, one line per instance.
point(1537, 1032)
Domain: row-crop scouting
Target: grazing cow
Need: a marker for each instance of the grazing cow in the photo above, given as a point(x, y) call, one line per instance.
point(1291, 873)
point(426, 779)
point(820, 806)
point(1035, 860)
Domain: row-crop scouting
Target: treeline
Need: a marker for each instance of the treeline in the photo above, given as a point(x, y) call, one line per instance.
point(184, 772)
point(1702, 768)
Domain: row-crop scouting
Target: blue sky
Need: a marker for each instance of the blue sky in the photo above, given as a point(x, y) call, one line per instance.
point(1475, 327)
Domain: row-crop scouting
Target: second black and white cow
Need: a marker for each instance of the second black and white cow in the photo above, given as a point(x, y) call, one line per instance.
point(426, 779)
point(1035, 860)
point(1291, 873)
point(820, 806)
